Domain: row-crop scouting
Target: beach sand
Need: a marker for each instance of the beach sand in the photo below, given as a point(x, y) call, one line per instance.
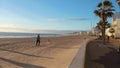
point(54, 52)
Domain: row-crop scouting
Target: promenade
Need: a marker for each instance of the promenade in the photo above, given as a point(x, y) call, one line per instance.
point(99, 55)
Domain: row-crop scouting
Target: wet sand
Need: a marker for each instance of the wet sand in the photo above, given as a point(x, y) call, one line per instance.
point(54, 52)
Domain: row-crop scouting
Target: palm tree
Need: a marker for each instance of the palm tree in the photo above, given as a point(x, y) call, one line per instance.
point(118, 1)
point(108, 25)
point(104, 11)
point(99, 25)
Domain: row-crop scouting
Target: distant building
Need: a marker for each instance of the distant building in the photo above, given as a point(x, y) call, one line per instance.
point(116, 24)
point(84, 33)
point(95, 31)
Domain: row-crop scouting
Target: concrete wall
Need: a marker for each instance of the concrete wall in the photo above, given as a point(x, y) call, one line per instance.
point(79, 59)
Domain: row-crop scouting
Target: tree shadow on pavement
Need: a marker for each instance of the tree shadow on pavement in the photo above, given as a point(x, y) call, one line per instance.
point(109, 60)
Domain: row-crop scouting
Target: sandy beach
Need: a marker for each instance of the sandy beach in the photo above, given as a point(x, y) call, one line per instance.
point(54, 52)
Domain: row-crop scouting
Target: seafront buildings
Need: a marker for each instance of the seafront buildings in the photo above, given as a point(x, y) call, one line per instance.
point(116, 24)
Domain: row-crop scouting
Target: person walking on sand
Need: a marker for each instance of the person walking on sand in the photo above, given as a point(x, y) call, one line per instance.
point(38, 40)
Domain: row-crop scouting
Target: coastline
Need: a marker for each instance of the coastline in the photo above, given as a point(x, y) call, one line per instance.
point(60, 35)
point(26, 35)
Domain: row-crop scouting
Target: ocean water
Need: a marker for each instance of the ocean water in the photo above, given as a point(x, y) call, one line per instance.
point(43, 33)
point(13, 35)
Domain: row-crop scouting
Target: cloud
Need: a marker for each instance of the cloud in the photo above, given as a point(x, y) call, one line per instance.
point(7, 25)
point(13, 29)
point(6, 29)
point(67, 19)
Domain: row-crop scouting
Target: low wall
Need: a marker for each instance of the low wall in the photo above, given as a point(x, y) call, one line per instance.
point(79, 60)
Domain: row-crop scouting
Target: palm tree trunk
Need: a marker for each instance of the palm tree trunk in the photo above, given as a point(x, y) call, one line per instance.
point(104, 37)
point(103, 30)
point(103, 25)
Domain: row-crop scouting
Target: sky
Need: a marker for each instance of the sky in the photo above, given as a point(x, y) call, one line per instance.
point(34, 15)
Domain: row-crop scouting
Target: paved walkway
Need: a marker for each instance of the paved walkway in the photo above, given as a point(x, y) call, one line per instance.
point(101, 56)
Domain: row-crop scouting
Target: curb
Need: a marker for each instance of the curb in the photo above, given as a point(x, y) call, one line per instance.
point(79, 60)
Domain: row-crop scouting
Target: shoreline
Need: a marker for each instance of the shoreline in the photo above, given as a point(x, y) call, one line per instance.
point(36, 36)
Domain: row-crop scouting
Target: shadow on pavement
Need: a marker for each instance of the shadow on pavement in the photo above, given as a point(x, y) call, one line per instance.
point(24, 65)
point(24, 53)
point(110, 60)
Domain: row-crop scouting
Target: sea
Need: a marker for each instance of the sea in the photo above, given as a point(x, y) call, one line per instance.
point(21, 35)
point(42, 34)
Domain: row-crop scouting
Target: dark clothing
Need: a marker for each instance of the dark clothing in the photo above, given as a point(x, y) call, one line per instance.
point(38, 40)
point(108, 38)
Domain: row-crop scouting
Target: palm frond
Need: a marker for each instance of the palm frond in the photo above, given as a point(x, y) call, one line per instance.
point(118, 1)
point(109, 14)
point(99, 5)
point(109, 10)
point(107, 3)
point(97, 13)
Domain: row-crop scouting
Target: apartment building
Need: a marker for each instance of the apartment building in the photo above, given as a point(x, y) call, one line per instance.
point(116, 24)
